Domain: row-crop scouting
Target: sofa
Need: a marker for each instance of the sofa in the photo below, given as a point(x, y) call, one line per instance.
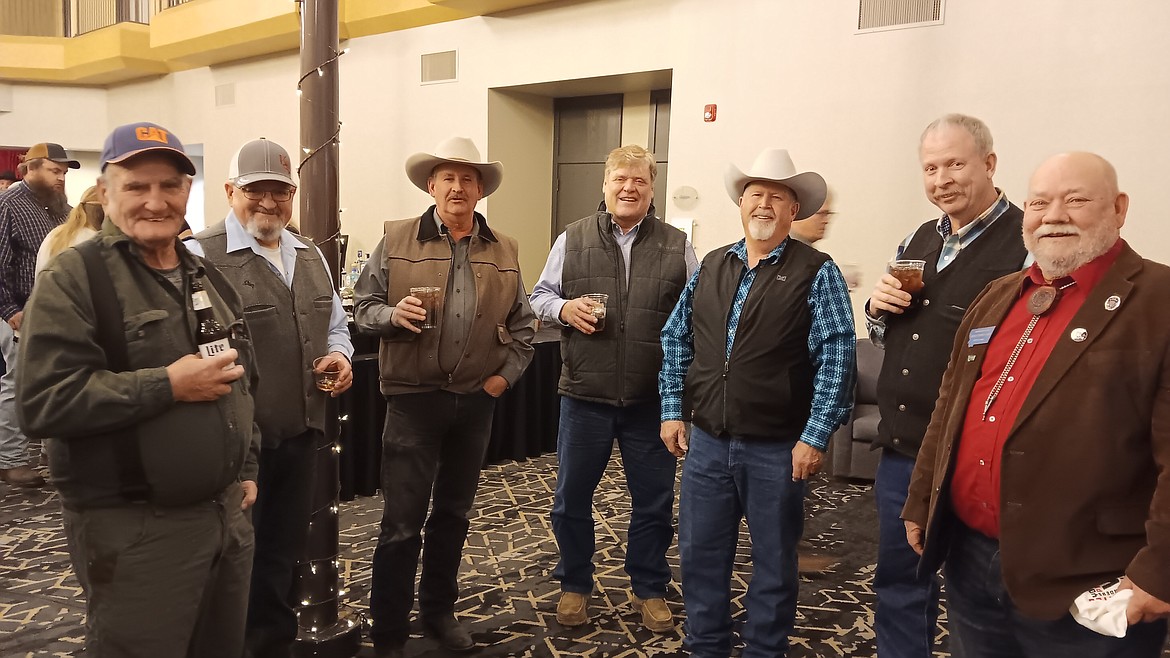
point(850, 454)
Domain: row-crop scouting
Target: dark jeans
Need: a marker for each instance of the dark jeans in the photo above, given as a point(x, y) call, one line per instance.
point(433, 441)
point(281, 519)
point(163, 581)
point(723, 481)
point(907, 606)
point(584, 444)
point(986, 624)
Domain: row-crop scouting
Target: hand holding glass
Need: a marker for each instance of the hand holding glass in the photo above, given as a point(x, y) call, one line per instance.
point(326, 378)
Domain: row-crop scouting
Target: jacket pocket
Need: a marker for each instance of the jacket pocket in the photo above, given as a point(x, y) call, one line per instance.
point(148, 341)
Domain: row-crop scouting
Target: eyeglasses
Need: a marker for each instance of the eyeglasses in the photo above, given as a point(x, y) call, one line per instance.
point(279, 196)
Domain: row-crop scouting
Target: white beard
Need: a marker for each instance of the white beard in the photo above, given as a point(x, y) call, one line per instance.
point(263, 234)
point(1090, 245)
point(761, 230)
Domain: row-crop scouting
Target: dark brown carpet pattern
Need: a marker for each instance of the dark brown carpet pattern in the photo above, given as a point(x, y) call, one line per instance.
point(509, 598)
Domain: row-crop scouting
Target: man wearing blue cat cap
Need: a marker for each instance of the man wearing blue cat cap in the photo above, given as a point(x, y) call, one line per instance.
point(155, 452)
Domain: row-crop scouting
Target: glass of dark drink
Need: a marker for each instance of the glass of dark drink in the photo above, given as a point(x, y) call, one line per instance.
point(909, 274)
point(429, 296)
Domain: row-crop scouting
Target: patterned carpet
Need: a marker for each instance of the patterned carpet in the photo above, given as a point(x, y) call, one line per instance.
point(508, 595)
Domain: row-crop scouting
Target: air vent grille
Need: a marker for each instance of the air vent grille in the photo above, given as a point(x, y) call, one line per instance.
point(225, 94)
point(875, 15)
point(440, 67)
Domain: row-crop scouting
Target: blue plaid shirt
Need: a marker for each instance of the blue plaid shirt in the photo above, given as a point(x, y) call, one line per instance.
point(832, 345)
point(24, 223)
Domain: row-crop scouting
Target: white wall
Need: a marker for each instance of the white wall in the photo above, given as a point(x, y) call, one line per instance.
point(1046, 75)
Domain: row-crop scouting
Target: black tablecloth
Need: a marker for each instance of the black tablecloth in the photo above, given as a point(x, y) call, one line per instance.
point(525, 423)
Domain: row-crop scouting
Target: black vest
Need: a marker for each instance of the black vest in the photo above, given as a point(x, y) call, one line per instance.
point(289, 329)
point(765, 390)
point(620, 364)
point(918, 342)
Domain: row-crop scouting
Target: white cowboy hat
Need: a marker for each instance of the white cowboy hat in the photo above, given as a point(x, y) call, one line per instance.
point(776, 165)
point(459, 150)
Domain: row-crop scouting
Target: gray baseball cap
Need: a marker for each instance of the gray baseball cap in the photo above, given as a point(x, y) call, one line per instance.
point(260, 159)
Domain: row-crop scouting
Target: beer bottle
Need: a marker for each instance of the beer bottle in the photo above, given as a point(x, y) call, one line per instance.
point(211, 336)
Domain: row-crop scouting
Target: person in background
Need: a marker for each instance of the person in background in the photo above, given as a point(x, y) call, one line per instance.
point(299, 330)
point(154, 446)
point(976, 240)
point(84, 222)
point(440, 383)
point(28, 211)
point(1045, 470)
point(813, 228)
point(7, 179)
point(762, 346)
point(608, 382)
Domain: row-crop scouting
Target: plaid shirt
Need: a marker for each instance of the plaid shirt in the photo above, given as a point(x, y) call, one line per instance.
point(24, 223)
point(832, 345)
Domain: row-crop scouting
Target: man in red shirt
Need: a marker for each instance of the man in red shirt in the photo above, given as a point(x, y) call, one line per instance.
point(1045, 470)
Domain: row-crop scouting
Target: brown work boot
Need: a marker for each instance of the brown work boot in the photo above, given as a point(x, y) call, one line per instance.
point(573, 609)
point(656, 615)
point(22, 476)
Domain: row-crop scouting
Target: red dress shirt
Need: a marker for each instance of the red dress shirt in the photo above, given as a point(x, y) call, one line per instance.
point(975, 493)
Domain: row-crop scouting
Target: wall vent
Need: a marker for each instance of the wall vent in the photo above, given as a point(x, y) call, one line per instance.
point(225, 94)
point(881, 15)
point(440, 67)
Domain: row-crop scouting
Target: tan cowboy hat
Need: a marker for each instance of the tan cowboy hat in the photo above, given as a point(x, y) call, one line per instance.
point(459, 150)
point(775, 165)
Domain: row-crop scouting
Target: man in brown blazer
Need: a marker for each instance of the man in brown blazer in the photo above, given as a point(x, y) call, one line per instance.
point(1045, 470)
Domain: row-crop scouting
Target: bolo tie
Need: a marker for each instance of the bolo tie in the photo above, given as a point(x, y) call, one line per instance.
point(1040, 302)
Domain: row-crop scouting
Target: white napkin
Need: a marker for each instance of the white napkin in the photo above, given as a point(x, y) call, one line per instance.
point(1102, 609)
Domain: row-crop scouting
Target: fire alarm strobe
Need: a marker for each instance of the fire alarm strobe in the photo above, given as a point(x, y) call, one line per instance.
point(709, 113)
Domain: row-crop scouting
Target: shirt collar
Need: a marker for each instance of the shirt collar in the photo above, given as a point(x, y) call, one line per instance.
point(739, 250)
point(985, 218)
point(442, 228)
point(617, 228)
point(239, 239)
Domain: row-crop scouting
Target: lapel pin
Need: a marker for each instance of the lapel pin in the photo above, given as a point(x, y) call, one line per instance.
point(970, 358)
point(1112, 303)
point(1079, 334)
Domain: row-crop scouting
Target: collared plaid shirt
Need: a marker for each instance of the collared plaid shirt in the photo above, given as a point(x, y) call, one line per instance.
point(953, 243)
point(832, 345)
point(24, 223)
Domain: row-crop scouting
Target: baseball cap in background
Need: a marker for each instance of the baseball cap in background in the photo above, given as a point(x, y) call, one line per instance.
point(134, 139)
point(51, 151)
point(260, 159)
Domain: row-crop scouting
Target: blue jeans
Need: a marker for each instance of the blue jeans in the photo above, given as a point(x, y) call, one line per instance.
point(907, 606)
point(584, 443)
point(723, 481)
point(986, 624)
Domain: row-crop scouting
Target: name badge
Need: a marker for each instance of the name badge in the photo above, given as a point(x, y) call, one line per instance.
point(980, 336)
